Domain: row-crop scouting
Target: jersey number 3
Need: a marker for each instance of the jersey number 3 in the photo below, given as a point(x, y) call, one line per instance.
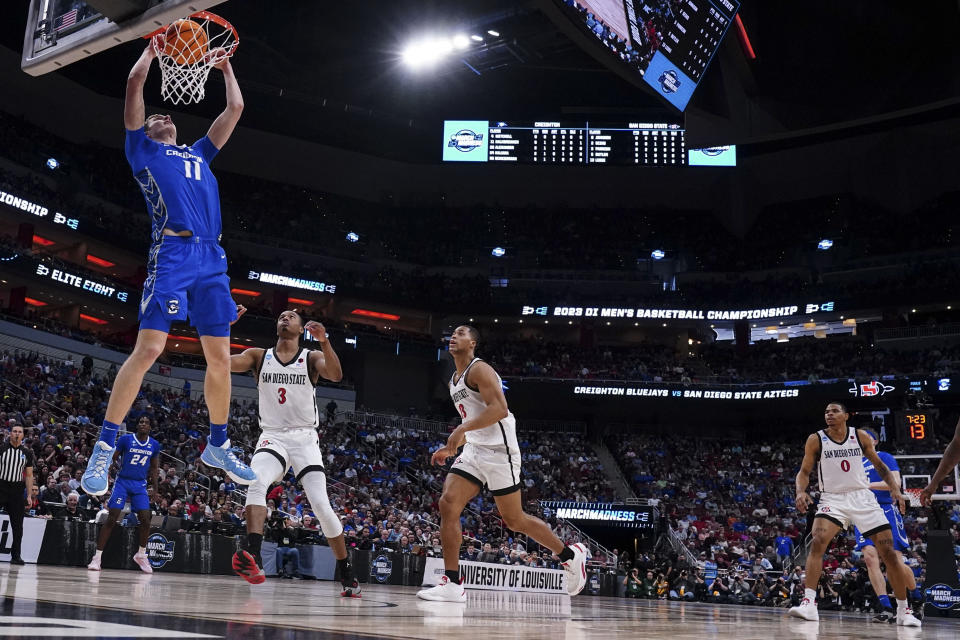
point(192, 169)
point(282, 395)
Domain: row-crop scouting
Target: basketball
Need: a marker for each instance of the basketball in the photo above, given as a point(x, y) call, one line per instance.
point(186, 42)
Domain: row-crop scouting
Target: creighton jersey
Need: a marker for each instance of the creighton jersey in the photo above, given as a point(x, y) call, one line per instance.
point(841, 464)
point(177, 183)
point(469, 404)
point(287, 395)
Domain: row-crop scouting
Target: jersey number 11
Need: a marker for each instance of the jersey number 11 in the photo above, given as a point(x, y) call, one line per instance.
point(191, 167)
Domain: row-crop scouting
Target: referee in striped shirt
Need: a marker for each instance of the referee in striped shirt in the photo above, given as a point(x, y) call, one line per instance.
point(16, 482)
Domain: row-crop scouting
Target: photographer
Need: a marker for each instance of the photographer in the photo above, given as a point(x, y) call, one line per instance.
point(682, 587)
point(852, 596)
point(827, 597)
point(719, 591)
point(742, 591)
point(779, 594)
point(284, 532)
point(633, 585)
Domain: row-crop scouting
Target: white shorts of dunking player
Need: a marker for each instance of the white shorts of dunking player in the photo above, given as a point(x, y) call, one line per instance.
point(494, 468)
point(858, 508)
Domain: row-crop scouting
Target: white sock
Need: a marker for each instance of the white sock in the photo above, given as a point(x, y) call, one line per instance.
point(142, 551)
point(97, 554)
point(810, 594)
point(901, 606)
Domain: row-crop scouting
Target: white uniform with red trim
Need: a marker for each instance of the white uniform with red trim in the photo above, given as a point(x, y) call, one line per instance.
point(491, 456)
point(845, 496)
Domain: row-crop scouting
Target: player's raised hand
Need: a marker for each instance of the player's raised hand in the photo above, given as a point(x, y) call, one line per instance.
point(317, 330)
point(926, 495)
point(240, 311)
point(803, 502)
point(218, 57)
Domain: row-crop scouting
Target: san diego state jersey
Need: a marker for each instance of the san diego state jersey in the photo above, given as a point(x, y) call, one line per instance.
point(288, 398)
point(841, 463)
point(469, 404)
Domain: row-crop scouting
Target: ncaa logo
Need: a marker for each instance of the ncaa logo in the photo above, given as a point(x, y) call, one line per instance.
point(159, 550)
point(173, 306)
point(465, 140)
point(669, 81)
point(381, 569)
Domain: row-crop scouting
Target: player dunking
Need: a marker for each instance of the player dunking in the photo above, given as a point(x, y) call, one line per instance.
point(186, 268)
point(900, 542)
point(140, 464)
point(286, 378)
point(491, 459)
point(845, 499)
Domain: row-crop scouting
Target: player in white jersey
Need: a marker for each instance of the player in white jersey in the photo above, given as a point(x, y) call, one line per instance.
point(286, 378)
point(491, 459)
point(845, 500)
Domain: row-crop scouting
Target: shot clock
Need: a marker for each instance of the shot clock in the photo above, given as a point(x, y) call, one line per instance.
point(914, 426)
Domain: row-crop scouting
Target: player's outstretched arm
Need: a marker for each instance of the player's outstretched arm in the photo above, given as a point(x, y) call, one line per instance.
point(134, 111)
point(222, 128)
point(951, 457)
point(810, 452)
point(870, 453)
point(243, 362)
point(326, 362)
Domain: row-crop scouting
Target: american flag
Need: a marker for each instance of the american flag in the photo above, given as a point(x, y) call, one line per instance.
point(66, 20)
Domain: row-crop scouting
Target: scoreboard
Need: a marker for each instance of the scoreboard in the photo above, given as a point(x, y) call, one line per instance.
point(686, 43)
point(561, 142)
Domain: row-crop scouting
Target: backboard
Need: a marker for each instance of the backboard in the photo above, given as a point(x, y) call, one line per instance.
point(63, 31)
point(916, 471)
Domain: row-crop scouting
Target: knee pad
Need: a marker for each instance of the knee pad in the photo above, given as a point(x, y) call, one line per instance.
point(314, 483)
point(269, 465)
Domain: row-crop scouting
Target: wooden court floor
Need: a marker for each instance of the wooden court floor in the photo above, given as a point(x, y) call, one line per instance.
point(72, 602)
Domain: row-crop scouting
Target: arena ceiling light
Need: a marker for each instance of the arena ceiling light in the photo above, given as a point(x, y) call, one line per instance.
point(495, 34)
point(498, 252)
point(422, 53)
point(352, 237)
point(825, 244)
point(658, 254)
point(53, 164)
point(476, 38)
point(460, 42)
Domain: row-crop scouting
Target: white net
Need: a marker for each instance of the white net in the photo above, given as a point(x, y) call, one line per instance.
point(187, 50)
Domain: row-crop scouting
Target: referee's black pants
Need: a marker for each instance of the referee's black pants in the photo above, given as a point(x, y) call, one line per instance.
point(13, 500)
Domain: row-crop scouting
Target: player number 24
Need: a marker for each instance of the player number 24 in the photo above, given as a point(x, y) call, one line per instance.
point(139, 458)
point(192, 169)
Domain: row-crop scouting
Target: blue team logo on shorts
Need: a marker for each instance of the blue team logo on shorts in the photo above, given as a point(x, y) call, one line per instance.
point(173, 306)
point(669, 81)
point(381, 569)
point(159, 550)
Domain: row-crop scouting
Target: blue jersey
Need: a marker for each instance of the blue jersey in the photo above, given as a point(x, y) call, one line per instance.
point(136, 456)
point(177, 183)
point(883, 497)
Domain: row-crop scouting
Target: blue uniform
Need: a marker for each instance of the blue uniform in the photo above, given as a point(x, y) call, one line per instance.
point(890, 510)
point(134, 465)
point(186, 276)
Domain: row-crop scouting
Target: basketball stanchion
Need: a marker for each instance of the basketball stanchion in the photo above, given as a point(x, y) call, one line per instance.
point(186, 51)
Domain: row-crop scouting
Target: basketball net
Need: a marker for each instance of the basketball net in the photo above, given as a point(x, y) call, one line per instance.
point(185, 66)
point(914, 497)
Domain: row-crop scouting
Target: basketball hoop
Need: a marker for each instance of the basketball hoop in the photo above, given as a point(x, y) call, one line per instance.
point(914, 497)
point(186, 51)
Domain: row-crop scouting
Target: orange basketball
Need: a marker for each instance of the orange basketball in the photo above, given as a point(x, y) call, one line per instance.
point(185, 42)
